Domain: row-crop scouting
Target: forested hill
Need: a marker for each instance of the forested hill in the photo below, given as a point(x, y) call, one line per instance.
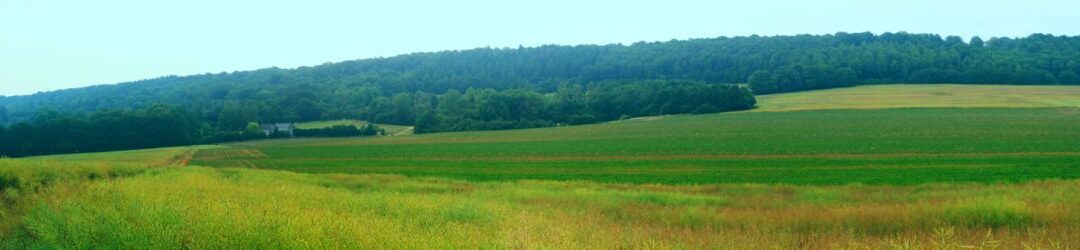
point(388, 88)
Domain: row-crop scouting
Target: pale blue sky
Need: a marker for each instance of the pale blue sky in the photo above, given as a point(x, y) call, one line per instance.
point(48, 45)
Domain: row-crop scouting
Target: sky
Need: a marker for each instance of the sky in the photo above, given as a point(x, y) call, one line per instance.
point(57, 44)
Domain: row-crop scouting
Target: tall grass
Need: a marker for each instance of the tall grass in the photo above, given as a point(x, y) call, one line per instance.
point(25, 181)
point(237, 208)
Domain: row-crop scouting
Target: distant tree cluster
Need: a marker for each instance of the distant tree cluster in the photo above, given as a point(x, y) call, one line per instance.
point(340, 131)
point(489, 109)
point(57, 133)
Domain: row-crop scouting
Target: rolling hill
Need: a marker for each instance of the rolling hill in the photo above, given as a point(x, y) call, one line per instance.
point(860, 173)
point(350, 89)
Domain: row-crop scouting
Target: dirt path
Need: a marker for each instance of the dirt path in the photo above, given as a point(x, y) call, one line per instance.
point(180, 160)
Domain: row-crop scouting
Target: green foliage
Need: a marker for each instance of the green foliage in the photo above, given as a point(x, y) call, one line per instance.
point(799, 77)
point(1068, 77)
point(977, 42)
point(236, 116)
point(252, 128)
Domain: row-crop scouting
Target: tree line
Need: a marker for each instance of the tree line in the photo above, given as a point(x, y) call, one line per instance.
point(474, 109)
point(770, 64)
point(57, 133)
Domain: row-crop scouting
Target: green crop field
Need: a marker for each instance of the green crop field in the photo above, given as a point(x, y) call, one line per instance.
point(894, 146)
point(886, 172)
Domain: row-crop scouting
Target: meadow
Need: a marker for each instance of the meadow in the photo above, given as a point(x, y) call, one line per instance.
point(924, 96)
point(899, 178)
point(198, 207)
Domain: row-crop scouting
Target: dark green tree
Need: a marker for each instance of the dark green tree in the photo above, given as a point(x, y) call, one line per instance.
point(976, 42)
point(235, 116)
point(426, 123)
point(1068, 77)
point(3, 115)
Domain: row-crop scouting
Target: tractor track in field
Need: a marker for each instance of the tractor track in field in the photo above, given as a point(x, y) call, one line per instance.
point(180, 160)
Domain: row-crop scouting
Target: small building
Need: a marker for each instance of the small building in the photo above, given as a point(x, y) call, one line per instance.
point(274, 128)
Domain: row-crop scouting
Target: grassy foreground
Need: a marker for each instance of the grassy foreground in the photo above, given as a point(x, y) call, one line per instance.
point(197, 207)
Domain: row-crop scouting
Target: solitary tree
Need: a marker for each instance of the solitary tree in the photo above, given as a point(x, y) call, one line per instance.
point(252, 128)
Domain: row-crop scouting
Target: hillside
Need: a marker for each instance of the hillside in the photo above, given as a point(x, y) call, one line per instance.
point(359, 89)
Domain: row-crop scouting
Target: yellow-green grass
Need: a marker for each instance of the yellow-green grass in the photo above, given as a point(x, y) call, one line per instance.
point(924, 96)
point(390, 129)
point(214, 208)
point(26, 181)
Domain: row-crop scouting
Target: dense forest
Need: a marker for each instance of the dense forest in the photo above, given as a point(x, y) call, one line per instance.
point(504, 88)
point(53, 132)
point(487, 109)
